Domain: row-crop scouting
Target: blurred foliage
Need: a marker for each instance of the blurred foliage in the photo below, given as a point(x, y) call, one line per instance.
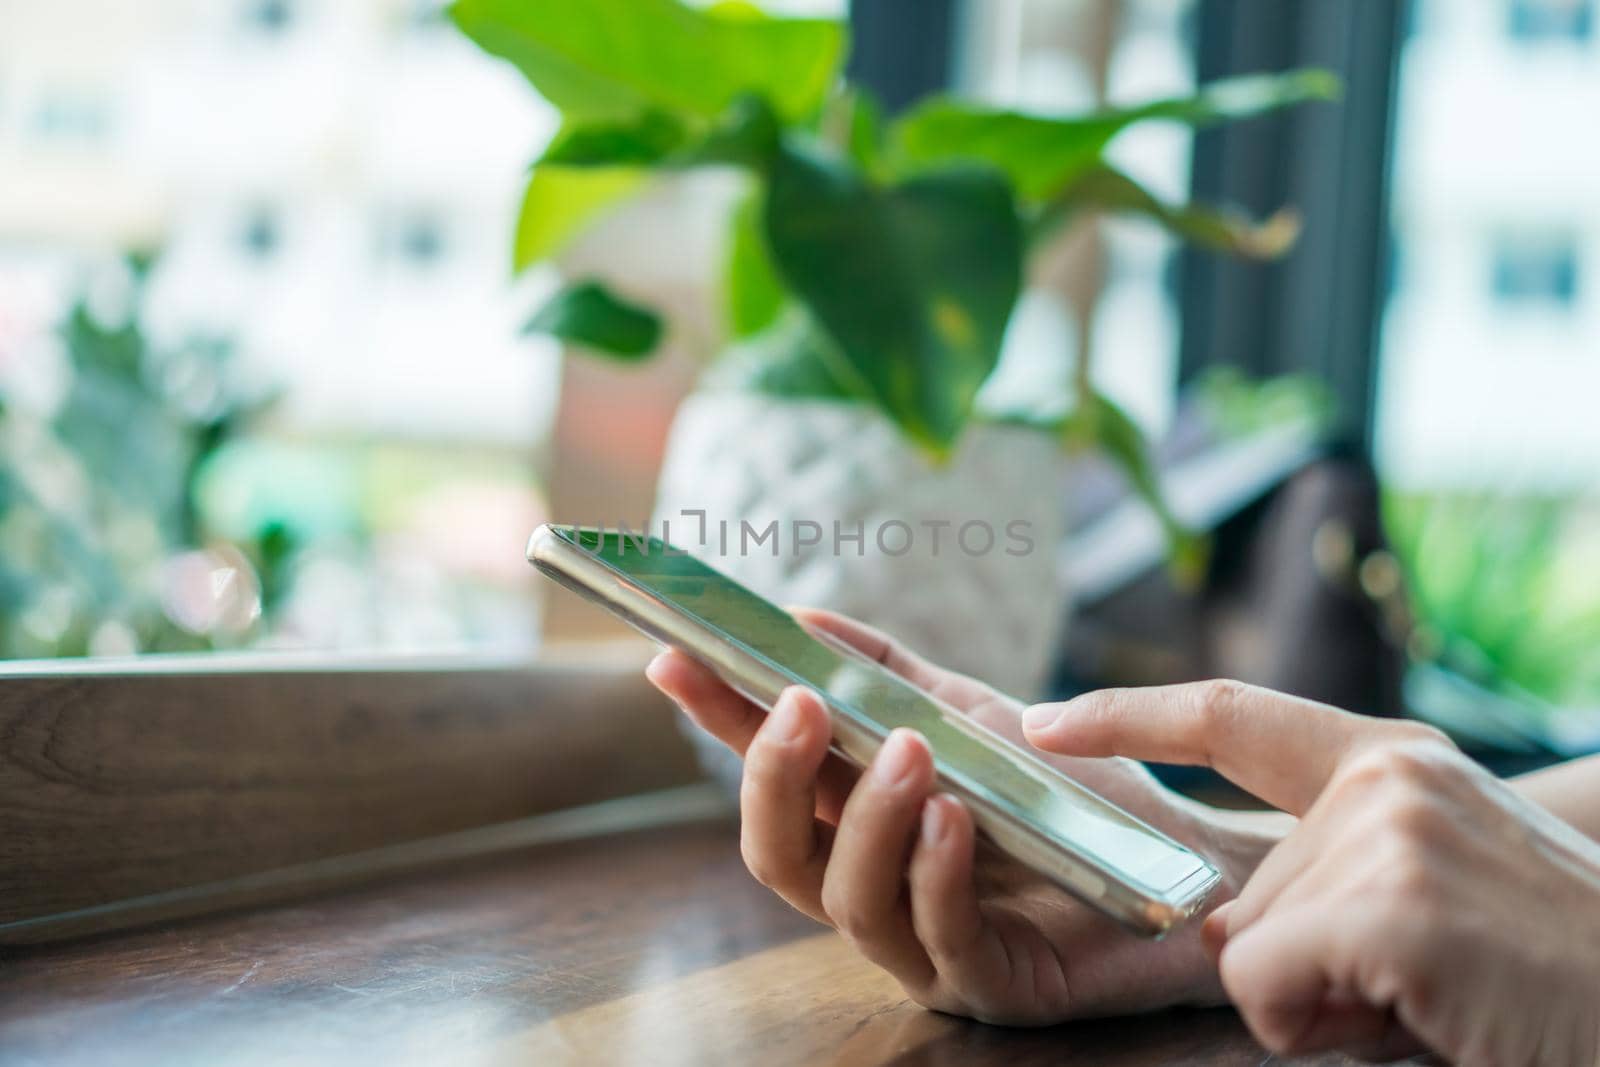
point(617, 59)
point(98, 519)
point(560, 202)
point(589, 314)
point(899, 246)
point(1238, 405)
point(1044, 156)
point(1506, 590)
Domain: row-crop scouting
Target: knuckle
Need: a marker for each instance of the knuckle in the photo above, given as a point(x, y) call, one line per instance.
point(849, 920)
point(1400, 971)
point(1400, 763)
point(761, 776)
point(1391, 764)
point(853, 925)
point(949, 951)
point(1415, 816)
point(943, 947)
point(1413, 764)
point(1218, 698)
point(1259, 1008)
point(1410, 733)
point(1407, 881)
point(1098, 707)
point(1351, 784)
point(936, 994)
point(760, 864)
point(771, 778)
point(1275, 1034)
point(1217, 704)
point(993, 1011)
point(1419, 992)
point(1402, 750)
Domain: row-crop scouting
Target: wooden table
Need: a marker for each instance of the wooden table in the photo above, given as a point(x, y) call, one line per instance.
point(648, 947)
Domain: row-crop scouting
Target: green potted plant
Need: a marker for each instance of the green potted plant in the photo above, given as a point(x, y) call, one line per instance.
point(872, 268)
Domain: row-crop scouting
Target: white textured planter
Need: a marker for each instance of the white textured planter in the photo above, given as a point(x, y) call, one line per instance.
point(987, 601)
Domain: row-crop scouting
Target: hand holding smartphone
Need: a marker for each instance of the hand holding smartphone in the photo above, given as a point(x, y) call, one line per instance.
point(1027, 809)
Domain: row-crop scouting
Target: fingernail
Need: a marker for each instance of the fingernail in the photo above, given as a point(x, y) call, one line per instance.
point(933, 821)
point(787, 722)
point(894, 760)
point(1041, 716)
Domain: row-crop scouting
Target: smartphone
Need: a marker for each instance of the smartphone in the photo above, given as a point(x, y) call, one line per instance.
point(1023, 806)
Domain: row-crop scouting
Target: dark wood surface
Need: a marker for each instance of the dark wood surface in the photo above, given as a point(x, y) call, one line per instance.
point(646, 947)
point(122, 781)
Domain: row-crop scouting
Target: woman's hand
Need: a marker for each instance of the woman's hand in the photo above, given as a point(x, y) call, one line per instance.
point(1419, 900)
point(895, 871)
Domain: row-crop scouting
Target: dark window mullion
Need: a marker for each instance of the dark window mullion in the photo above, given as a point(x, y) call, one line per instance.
point(902, 49)
point(1318, 311)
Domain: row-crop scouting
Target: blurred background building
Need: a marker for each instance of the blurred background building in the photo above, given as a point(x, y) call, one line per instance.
point(1491, 342)
point(324, 191)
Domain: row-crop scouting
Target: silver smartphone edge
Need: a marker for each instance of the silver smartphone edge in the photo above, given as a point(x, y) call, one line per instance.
point(578, 570)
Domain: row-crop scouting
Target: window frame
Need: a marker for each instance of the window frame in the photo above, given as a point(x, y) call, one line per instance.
point(1318, 311)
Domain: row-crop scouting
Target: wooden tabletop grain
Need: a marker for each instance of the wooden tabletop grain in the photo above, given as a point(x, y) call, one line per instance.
point(649, 947)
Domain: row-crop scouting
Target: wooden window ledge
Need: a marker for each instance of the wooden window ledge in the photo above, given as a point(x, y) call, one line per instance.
point(137, 787)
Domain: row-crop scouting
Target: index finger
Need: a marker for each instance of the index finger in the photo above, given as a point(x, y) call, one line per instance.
point(1281, 748)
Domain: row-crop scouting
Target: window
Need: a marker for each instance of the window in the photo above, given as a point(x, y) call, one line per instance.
point(1547, 20)
point(269, 18)
point(70, 115)
point(1535, 271)
point(427, 17)
point(260, 234)
point(417, 238)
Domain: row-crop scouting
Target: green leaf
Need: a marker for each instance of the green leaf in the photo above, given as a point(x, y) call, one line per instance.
point(852, 123)
point(637, 141)
point(755, 295)
point(1107, 189)
point(1041, 154)
point(591, 166)
point(793, 359)
point(619, 58)
point(1233, 99)
point(562, 201)
point(746, 135)
point(587, 313)
point(1100, 424)
point(914, 282)
point(866, 129)
point(1036, 153)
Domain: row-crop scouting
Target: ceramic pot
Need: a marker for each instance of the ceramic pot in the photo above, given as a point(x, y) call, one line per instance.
point(957, 560)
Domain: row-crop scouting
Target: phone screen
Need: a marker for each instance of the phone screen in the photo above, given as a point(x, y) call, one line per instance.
point(980, 762)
